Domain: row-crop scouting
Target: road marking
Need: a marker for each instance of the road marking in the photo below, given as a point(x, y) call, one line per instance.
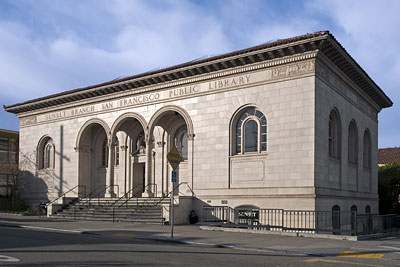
point(50, 229)
point(125, 235)
point(395, 248)
point(390, 238)
point(5, 258)
point(342, 262)
point(353, 254)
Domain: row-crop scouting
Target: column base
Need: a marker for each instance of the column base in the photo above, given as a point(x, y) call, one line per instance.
point(147, 194)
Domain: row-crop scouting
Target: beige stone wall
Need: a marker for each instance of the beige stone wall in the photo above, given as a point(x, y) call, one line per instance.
point(287, 100)
point(289, 175)
point(338, 181)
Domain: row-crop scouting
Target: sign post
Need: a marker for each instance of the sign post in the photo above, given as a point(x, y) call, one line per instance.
point(174, 158)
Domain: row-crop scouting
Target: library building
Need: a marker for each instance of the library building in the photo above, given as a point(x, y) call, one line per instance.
point(290, 125)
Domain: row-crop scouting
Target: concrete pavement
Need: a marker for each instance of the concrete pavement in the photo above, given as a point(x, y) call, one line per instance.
point(386, 250)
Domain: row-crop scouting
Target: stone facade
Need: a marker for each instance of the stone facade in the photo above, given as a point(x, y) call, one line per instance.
point(119, 133)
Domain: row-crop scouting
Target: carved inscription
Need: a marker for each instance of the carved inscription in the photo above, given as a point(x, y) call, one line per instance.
point(220, 84)
point(82, 110)
point(184, 91)
point(134, 100)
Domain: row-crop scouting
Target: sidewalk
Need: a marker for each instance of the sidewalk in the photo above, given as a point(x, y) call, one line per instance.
point(193, 235)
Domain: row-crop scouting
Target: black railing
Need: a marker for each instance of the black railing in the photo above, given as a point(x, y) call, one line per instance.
point(333, 222)
point(63, 195)
point(97, 192)
point(136, 195)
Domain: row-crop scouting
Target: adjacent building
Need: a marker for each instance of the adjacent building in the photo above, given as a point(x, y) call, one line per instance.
point(291, 124)
point(388, 155)
point(8, 162)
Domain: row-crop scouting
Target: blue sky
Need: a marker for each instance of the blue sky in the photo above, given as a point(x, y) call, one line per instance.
point(49, 46)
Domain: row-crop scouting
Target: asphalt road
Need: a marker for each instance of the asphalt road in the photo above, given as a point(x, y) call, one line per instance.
point(42, 248)
point(35, 247)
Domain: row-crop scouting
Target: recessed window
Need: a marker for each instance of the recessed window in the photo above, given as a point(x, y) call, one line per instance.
point(116, 158)
point(104, 153)
point(334, 135)
point(138, 144)
point(251, 132)
point(46, 153)
point(352, 143)
point(181, 141)
point(367, 150)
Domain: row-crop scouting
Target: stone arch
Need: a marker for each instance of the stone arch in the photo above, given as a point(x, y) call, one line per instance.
point(40, 151)
point(233, 123)
point(125, 116)
point(158, 114)
point(89, 123)
point(335, 134)
point(92, 164)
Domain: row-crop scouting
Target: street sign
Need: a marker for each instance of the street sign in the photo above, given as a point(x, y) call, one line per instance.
point(174, 158)
point(174, 176)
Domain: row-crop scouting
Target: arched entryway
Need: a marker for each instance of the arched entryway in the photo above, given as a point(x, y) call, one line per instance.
point(169, 126)
point(128, 151)
point(93, 148)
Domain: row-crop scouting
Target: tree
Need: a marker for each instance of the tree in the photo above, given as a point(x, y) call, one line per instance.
point(389, 188)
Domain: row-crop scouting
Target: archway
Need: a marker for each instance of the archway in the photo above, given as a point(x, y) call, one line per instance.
point(92, 146)
point(128, 149)
point(170, 126)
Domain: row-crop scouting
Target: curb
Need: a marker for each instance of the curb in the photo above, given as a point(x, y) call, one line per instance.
point(266, 232)
point(47, 228)
point(231, 246)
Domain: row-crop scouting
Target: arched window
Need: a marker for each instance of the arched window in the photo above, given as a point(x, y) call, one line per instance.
point(368, 209)
point(334, 135)
point(116, 158)
point(352, 143)
point(138, 144)
point(367, 150)
point(46, 153)
point(181, 141)
point(104, 153)
point(336, 219)
point(353, 210)
point(251, 131)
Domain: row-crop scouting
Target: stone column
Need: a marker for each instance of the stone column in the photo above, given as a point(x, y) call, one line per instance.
point(148, 170)
point(190, 159)
point(109, 174)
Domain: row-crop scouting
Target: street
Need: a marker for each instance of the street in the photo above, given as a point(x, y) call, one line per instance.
point(42, 248)
point(34, 241)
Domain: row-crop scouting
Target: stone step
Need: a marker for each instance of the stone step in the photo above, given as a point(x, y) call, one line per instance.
point(125, 219)
point(144, 210)
point(81, 215)
point(135, 213)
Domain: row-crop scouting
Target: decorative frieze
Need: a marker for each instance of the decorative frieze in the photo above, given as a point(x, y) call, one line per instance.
point(238, 81)
point(293, 69)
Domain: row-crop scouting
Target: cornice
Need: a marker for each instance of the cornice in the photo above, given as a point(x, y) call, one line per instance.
point(171, 85)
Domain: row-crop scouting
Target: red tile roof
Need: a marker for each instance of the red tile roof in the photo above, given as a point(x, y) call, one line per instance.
point(389, 155)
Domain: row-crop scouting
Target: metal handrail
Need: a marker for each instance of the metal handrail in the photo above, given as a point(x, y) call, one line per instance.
point(137, 197)
point(127, 193)
point(51, 202)
point(167, 195)
point(90, 196)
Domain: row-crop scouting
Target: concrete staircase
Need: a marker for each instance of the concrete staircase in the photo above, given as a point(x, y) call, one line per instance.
point(138, 210)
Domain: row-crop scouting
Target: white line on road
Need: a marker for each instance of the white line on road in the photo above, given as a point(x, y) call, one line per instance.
point(395, 248)
point(4, 258)
point(50, 229)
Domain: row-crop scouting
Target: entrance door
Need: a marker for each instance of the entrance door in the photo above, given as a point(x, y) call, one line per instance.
point(138, 176)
